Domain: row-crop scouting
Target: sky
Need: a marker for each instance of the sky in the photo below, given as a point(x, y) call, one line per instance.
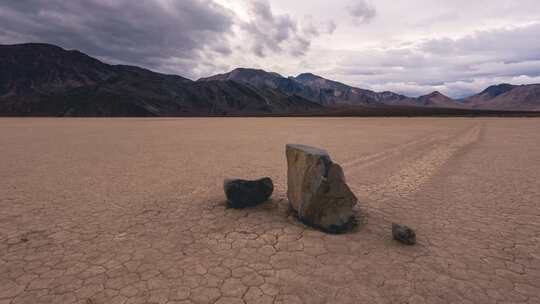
point(412, 47)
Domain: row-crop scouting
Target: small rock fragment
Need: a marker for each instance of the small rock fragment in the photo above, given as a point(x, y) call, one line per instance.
point(317, 190)
point(245, 193)
point(403, 234)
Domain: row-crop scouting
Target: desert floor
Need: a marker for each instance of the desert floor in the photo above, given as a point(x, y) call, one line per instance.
point(132, 211)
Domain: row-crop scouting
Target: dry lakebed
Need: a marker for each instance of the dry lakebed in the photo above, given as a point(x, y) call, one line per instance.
point(133, 211)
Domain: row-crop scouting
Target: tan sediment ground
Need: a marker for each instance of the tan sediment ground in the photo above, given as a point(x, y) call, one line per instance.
point(132, 211)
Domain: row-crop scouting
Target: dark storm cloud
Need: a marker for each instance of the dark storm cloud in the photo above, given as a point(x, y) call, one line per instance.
point(271, 33)
point(362, 11)
point(148, 33)
point(268, 31)
point(188, 37)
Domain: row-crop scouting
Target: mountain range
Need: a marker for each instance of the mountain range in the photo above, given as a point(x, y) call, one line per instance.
point(46, 80)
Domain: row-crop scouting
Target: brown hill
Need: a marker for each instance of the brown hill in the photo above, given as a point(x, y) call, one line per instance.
point(312, 87)
point(438, 100)
point(333, 92)
point(507, 97)
point(42, 79)
point(46, 80)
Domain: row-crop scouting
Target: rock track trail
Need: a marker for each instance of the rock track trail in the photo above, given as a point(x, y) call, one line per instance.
point(132, 211)
point(401, 171)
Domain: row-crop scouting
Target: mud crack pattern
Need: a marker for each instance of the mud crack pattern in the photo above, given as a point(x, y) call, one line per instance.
point(131, 211)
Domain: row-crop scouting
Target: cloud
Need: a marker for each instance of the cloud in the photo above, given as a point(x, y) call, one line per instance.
point(149, 33)
point(456, 49)
point(363, 11)
point(271, 33)
point(514, 44)
point(268, 31)
point(188, 37)
point(455, 66)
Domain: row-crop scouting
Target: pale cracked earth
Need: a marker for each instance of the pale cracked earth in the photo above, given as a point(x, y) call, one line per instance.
point(132, 211)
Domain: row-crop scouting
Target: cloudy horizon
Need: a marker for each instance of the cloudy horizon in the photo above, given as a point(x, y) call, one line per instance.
point(409, 47)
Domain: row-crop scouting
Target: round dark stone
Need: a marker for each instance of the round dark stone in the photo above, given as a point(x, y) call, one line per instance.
point(403, 234)
point(245, 193)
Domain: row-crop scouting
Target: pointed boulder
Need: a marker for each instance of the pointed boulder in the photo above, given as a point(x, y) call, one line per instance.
point(317, 190)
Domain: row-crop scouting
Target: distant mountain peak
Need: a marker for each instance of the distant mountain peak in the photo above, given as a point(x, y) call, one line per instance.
point(242, 75)
point(506, 96)
point(436, 94)
point(496, 90)
point(44, 79)
point(35, 45)
point(437, 99)
point(308, 77)
point(252, 71)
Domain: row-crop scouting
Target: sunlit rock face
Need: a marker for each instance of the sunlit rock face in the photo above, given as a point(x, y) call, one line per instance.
point(317, 190)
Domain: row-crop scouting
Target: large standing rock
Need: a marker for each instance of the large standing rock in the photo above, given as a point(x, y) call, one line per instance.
point(317, 189)
point(244, 193)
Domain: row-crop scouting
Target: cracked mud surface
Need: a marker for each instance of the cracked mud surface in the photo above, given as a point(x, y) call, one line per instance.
point(132, 211)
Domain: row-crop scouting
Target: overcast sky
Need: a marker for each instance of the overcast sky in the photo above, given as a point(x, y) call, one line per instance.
point(413, 47)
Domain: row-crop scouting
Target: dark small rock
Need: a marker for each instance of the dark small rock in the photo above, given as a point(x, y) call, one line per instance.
point(244, 193)
point(403, 234)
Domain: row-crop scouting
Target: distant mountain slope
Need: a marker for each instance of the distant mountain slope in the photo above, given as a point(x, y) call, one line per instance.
point(507, 97)
point(439, 100)
point(46, 80)
point(333, 92)
point(260, 79)
point(312, 87)
point(40, 68)
point(252, 76)
point(42, 79)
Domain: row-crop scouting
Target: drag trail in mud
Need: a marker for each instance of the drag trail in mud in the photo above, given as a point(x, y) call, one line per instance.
point(132, 211)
